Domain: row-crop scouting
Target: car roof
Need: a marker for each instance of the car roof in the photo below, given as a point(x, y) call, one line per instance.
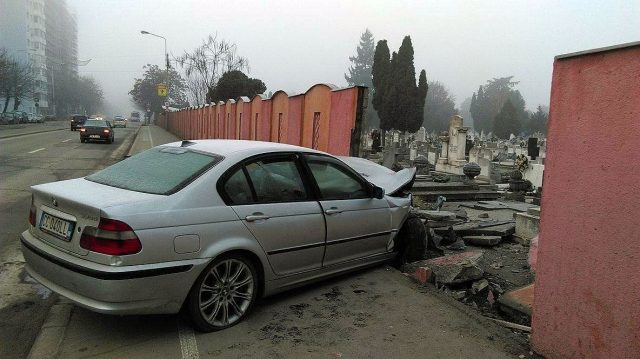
point(249, 148)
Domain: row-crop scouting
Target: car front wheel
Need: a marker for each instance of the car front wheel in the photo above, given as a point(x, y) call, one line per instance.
point(223, 294)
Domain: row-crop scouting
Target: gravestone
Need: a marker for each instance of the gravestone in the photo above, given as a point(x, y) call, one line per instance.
point(452, 155)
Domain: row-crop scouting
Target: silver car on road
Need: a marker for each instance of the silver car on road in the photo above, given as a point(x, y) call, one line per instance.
point(211, 225)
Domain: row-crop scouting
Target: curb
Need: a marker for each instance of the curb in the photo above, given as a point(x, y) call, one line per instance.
point(31, 133)
point(49, 339)
point(135, 137)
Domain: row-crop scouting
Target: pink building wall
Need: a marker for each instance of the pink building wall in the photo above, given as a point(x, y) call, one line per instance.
point(587, 288)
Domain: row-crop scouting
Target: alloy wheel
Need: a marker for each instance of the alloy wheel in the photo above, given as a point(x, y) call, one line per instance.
point(226, 292)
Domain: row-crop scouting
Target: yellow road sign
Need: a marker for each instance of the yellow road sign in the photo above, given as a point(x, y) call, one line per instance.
point(162, 90)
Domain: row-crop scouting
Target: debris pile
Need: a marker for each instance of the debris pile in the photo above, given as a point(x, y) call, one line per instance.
point(473, 256)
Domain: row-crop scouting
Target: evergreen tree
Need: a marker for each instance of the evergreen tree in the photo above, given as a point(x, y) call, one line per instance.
point(538, 121)
point(381, 71)
point(399, 101)
point(506, 121)
point(360, 69)
point(438, 108)
point(360, 72)
point(490, 99)
point(234, 84)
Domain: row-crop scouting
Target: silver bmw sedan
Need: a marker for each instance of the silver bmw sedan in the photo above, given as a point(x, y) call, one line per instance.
point(213, 225)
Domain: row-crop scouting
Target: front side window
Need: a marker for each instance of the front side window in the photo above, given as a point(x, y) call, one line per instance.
point(276, 180)
point(336, 182)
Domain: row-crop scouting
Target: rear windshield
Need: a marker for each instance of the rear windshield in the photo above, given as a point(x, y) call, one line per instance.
point(95, 123)
point(160, 170)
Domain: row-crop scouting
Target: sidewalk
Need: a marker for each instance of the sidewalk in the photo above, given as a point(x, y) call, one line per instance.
point(150, 136)
point(7, 131)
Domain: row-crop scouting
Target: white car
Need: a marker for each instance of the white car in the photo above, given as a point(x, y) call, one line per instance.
point(119, 121)
point(212, 225)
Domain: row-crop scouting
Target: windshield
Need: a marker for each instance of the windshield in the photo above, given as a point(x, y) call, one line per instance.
point(160, 170)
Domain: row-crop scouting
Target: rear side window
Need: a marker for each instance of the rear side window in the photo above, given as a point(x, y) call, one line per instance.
point(160, 170)
point(268, 180)
point(276, 180)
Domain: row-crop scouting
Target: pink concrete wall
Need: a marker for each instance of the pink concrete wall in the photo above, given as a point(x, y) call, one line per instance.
point(295, 120)
point(587, 288)
point(265, 121)
point(337, 110)
point(343, 103)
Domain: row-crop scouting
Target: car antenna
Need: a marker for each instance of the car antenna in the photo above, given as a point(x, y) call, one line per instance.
point(186, 143)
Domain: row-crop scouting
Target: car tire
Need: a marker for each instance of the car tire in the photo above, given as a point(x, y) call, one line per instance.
point(411, 240)
point(223, 294)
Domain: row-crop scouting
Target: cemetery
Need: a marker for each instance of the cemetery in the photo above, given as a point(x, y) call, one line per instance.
point(479, 199)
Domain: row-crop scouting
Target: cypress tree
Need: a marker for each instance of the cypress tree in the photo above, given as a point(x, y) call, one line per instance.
point(507, 121)
point(399, 102)
point(380, 71)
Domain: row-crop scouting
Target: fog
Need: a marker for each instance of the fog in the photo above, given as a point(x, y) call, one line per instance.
point(293, 44)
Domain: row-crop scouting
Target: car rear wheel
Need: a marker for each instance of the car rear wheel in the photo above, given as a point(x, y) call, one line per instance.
point(223, 294)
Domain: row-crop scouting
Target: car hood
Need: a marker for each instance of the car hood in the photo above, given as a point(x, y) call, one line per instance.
point(392, 182)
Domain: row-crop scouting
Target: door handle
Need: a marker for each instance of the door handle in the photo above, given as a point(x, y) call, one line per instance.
point(333, 210)
point(256, 217)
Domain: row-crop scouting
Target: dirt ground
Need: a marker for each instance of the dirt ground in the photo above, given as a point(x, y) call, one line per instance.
point(374, 313)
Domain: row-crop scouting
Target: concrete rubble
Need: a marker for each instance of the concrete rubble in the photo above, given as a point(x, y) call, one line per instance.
point(475, 256)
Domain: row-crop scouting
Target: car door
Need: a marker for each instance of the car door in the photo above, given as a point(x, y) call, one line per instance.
point(358, 225)
point(273, 200)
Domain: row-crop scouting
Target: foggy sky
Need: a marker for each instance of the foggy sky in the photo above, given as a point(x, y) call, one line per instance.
point(291, 45)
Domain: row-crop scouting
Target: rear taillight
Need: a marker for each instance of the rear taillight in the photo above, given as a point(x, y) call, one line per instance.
point(106, 131)
point(83, 129)
point(32, 213)
point(111, 237)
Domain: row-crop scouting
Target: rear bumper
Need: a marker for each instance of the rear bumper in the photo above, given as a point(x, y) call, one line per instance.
point(102, 137)
point(140, 289)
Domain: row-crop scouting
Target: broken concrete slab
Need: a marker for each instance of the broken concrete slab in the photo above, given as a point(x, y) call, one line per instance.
point(518, 303)
point(485, 241)
point(435, 215)
point(479, 286)
point(456, 268)
point(527, 227)
point(493, 205)
point(501, 229)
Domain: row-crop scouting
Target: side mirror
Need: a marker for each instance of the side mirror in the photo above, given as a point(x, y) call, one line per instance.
point(377, 192)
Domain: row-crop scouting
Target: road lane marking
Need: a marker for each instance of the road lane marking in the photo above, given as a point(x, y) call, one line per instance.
point(188, 344)
point(38, 150)
point(67, 140)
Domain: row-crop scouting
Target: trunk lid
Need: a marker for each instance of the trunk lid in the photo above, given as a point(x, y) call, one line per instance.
point(65, 208)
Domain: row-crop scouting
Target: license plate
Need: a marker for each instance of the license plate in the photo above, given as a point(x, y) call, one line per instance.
point(56, 226)
point(94, 136)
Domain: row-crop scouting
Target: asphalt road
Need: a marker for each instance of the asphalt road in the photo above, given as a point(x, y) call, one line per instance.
point(27, 160)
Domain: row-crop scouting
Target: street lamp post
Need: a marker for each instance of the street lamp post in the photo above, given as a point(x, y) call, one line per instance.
point(166, 55)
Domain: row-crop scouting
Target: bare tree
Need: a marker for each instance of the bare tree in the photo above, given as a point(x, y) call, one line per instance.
point(205, 65)
point(16, 80)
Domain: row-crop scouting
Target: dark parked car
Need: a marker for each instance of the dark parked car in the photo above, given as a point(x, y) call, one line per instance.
point(77, 121)
point(95, 129)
